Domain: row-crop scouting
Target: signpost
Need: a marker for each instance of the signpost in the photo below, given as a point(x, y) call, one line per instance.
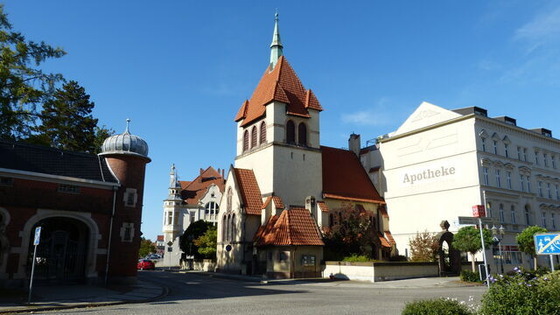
point(547, 244)
point(479, 218)
point(36, 242)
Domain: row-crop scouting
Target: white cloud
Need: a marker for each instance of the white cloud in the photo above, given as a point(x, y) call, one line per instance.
point(378, 115)
point(544, 28)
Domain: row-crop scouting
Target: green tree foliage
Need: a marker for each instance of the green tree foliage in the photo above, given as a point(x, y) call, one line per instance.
point(146, 247)
point(23, 85)
point(193, 232)
point(67, 121)
point(526, 242)
point(424, 247)
point(207, 243)
point(352, 234)
point(467, 239)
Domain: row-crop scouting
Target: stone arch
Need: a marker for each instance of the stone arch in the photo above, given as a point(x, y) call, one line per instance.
point(449, 262)
point(92, 240)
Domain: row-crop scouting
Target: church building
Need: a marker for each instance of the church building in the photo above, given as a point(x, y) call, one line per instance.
point(284, 187)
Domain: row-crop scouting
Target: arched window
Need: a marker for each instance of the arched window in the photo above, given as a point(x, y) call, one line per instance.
point(253, 137)
point(290, 132)
point(224, 228)
point(229, 197)
point(263, 133)
point(302, 134)
point(228, 229)
point(233, 228)
point(245, 141)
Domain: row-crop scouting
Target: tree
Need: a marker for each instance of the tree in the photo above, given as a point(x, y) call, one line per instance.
point(207, 243)
point(23, 85)
point(352, 234)
point(67, 121)
point(467, 239)
point(526, 242)
point(146, 247)
point(424, 247)
point(194, 231)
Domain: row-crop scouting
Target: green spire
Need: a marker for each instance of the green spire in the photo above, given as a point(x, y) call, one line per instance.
point(276, 45)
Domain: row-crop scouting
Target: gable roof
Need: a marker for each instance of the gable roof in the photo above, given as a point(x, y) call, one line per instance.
point(279, 84)
point(50, 161)
point(193, 191)
point(276, 202)
point(293, 227)
point(249, 190)
point(345, 178)
point(425, 115)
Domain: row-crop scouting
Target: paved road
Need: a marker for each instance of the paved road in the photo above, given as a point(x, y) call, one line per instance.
point(191, 293)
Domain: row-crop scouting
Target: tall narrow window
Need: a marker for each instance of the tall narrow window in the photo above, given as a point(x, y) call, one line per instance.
point(224, 228)
point(553, 221)
point(263, 133)
point(522, 182)
point(512, 211)
point(548, 191)
point(557, 192)
point(508, 179)
point(229, 197)
point(253, 137)
point(485, 174)
point(290, 132)
point(495, 146)
point(506, 149)
point(302, 134)
point(553, 161)
point(502, 215)
point(245, 141)
point(483, 144)
point(498, 178)
point(525, 154)
point(527, 215)
point(519, 153)
point(233, 228)
point(528, 183)
point(537, 161)
point(545, 159)
point(543, 219)
point(539, 187)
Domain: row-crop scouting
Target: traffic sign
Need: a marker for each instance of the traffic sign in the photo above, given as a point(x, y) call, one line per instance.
point(37, 238)
point(547, 243)
point(472, 220)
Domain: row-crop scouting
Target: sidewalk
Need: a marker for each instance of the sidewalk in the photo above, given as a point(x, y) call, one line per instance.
point(77, 296)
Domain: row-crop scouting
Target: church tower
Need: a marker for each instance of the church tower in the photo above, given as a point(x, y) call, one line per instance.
point(172, 209)
point(278, 132)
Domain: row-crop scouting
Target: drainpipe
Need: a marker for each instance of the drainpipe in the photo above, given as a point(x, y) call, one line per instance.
point(110, 235)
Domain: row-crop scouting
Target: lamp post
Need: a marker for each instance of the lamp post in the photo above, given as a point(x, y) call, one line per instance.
point(498, 234)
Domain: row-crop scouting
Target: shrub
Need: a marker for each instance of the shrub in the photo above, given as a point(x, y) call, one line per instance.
point(439, 306)
point(523, 293)
point(470, 276)
point(356, 258)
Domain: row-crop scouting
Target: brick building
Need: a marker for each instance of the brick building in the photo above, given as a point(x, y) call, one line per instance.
point(89, 208)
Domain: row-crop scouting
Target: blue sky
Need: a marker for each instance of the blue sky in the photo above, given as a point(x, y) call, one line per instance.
point(181, 69)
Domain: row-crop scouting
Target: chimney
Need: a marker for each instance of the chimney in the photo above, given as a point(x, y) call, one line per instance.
point(354, 144)
point(311, 206)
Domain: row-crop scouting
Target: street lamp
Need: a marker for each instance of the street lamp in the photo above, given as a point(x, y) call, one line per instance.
point(498, 234)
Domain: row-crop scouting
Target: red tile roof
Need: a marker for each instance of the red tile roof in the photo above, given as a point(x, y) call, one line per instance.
point(345, 178)
point(389, 236)
point(249, 189)
point(278, 203)
point(293, 227)
point(383, 240)
point(323, 206)
point(193, 191)
point(283, 85)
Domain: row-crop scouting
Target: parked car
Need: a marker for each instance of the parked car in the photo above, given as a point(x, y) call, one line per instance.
point(145, 264)
point(153, 257)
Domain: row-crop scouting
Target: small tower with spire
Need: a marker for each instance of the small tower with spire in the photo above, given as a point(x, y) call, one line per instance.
point(172, 209)
point(276, 45)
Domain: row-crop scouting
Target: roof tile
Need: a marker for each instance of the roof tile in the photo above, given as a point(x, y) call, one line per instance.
point(250, 191)
point(293, 227)
point(193, 191)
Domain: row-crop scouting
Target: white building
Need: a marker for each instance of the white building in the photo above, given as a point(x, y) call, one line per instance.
point(439, 163)
point(188, 202)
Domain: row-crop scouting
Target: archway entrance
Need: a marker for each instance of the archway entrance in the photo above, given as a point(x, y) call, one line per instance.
point(62, 252)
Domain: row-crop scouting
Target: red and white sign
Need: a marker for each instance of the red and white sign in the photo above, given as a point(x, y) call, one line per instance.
point(478, 211)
